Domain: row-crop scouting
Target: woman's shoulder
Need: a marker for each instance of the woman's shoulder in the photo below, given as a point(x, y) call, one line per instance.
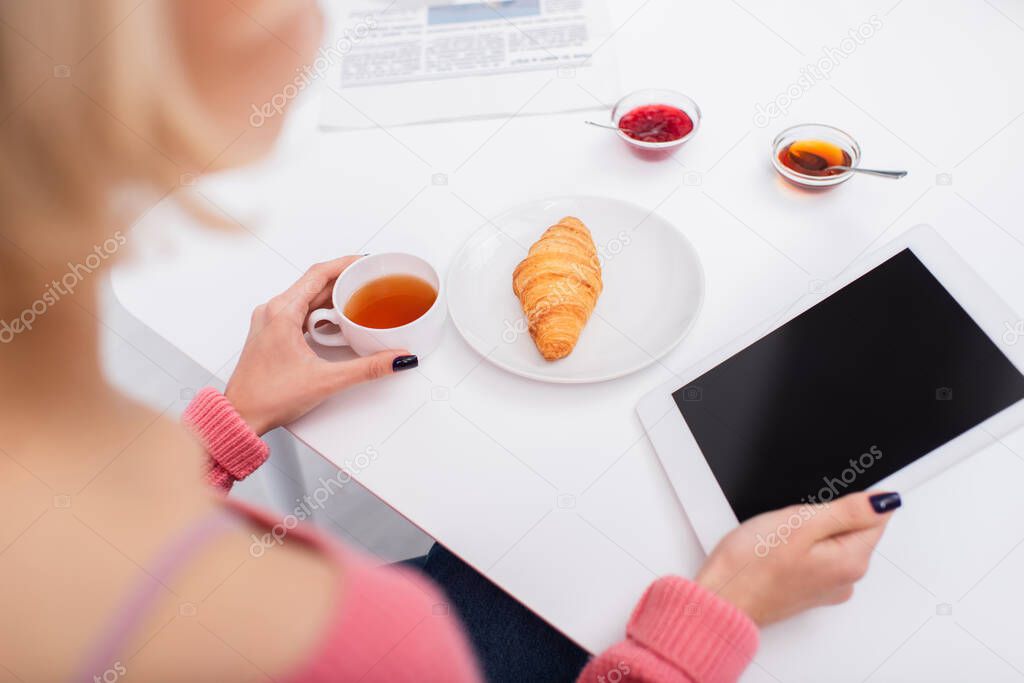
point(383, 623)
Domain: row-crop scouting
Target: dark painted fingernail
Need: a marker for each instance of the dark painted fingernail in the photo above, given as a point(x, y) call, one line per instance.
point(405, 363)
point(885, 502)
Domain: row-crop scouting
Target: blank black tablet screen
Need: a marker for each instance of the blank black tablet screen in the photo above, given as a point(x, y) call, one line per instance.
point(872, 378)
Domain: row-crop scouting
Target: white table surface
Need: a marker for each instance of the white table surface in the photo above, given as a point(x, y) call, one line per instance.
point(554, 491)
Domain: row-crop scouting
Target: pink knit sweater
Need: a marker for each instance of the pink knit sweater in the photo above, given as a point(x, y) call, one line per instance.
point(392, 625)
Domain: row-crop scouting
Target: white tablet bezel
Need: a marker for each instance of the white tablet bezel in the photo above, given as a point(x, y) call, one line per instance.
point(688, 470)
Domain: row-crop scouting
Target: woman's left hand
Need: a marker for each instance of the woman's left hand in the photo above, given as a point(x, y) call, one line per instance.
point(783, 562)
point(279, 378)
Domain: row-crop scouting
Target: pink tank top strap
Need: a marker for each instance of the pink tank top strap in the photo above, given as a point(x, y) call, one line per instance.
point(139, 603)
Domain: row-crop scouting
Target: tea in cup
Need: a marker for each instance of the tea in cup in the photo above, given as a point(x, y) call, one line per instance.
point(384, 301)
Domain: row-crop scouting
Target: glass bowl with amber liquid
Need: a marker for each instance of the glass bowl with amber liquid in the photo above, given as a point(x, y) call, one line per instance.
point(803, 154)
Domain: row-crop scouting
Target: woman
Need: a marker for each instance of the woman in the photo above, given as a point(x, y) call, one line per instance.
point(116, 558)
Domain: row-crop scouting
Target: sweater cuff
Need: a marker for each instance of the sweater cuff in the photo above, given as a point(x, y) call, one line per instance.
point(705, 636)
point(230, 442)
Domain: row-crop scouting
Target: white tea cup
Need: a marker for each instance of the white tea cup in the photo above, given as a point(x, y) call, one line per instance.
point(419, 337)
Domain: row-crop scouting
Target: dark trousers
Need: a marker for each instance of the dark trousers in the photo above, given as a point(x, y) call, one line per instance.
point(511, 642)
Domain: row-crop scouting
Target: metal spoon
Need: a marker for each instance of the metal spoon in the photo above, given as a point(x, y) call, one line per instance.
point(894, 175)
point(642, 136)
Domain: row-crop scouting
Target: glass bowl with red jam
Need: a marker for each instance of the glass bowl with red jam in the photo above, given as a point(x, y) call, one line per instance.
point(656, 120)
point(804, 154)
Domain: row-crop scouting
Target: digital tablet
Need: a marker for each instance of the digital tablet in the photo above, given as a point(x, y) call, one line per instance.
point(904, 367)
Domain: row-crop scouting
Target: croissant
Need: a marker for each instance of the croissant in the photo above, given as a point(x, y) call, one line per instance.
point(558, 284)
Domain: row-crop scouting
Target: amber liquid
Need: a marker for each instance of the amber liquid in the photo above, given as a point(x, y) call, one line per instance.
point(812, 157)
point(390, 301)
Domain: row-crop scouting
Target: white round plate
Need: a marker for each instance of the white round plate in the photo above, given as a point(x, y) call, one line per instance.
point(653, 290)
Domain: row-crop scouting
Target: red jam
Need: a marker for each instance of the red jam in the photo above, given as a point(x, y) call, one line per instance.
point(656, 123)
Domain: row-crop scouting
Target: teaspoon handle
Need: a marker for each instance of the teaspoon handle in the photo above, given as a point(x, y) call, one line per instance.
point(873, 171)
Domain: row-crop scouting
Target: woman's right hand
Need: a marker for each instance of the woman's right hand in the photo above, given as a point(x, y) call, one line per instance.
point(783, 562)
point(279, 378)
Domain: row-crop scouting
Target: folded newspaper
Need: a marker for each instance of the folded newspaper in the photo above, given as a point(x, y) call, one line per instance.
point(392, 62)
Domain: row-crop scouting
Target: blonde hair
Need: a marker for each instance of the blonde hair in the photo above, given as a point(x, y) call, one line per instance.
point(98, 122)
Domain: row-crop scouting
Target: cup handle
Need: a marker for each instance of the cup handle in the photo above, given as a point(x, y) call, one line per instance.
point(325, 338)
